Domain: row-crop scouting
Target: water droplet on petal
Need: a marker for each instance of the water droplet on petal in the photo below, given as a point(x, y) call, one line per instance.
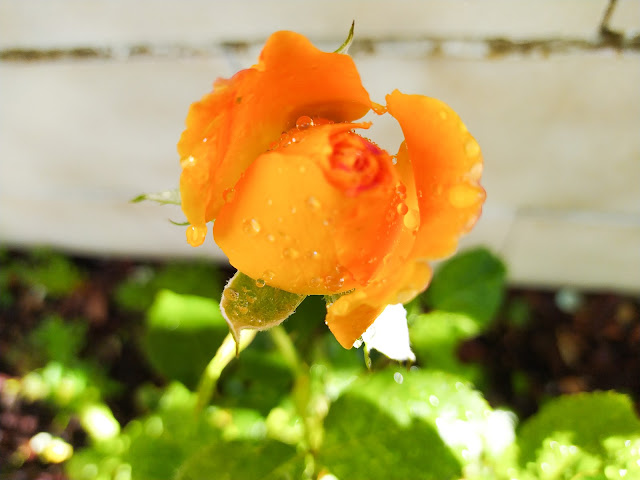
point(443, 115)
point(196, 235)
point(315, 281)
point(228, 194)
point(398, 378)
point(271, 238)
point(472, 148)
point(314, 204)
point(476, 172)
point(302, 169)
point(188, 162)
point(304, 122)
point(260, 283)
point(412, 219)
point(402, 208)
point(290, 253)
point(269, 202)
point(251, 226)
point(462, 196)
point(463, 128)
point(268, 275)
point(313, 255)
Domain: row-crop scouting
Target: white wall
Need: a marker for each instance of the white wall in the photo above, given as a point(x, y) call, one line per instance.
point(92, 119)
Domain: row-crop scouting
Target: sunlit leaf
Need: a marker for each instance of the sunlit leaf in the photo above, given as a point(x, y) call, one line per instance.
point(182, 334)
point(363, 442)
point(584, 420)
point(344, 48)
point(470, 283)
point(251, 304)
point(167, 197)
point(267, 460)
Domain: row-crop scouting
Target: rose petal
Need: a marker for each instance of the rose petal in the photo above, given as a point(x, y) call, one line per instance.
point(447, 165)
point(229, 128)
point(389, 334)
point(290, 225)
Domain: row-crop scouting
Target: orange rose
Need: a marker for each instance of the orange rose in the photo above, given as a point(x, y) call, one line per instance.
point(305, 204)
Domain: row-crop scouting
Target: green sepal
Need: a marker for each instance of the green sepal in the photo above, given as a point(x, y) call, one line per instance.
point(168, 197)
point(251, 304)
point(344, 48)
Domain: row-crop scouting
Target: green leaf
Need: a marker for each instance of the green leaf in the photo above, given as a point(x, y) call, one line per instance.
point(586, 420)
point(344, 48)
point(167, 197)
point(182, 334)
point(436, 411)
point(470, 283)
point(251, 304)
point(435, 337)
point(56, 340)
point(363, 442)
point(191, 278)
point(268, 460)
point(54, 273)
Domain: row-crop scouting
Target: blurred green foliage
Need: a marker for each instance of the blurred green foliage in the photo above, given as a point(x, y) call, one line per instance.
point(182, 333)
point(139, 290)
point(470, 283)
point(326, 414)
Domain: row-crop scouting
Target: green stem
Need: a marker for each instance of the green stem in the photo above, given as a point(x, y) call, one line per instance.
point(227, 352)
point(286, 348)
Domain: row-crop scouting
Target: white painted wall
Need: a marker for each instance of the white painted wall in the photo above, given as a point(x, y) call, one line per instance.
point(83, 131)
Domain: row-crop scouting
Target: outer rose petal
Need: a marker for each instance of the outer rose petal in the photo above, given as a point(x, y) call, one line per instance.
point(229, 128)
point(399, 281)
point(290, 225)
point(447, 165)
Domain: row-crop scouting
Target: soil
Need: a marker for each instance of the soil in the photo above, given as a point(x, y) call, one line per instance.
point(542, 345)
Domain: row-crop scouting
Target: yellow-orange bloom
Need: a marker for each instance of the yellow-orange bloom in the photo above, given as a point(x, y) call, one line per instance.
point(307, 205)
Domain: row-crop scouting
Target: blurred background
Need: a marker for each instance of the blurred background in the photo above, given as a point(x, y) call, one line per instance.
point(93, 96)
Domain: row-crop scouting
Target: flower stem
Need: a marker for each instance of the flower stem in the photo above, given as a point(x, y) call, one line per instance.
point(286, 348)
point(227, 352)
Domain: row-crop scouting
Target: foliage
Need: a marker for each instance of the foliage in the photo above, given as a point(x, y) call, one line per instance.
point(296, 405)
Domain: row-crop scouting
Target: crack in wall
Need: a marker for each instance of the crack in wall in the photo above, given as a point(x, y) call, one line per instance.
point(426, 48)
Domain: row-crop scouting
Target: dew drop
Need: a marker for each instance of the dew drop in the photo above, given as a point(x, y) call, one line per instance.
point(290, 253)
point(476, 172)
point(251, 226)
point(433, 400)
point(314, 204)
point(304, 122)
point(231, 294)
point(313, 255)
point(268, 275)
point(293, 210)
point(196, 235)
point(402, 208)
point(260, 283)
point(443, 115)
point(271, 238)
point(188, 162)
point(398, 378)
point(269, 202)
point(315, 281)
point(412, 219)
point(462, 196)
point(229, 194)
point(302, 169)
point(472, 148)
